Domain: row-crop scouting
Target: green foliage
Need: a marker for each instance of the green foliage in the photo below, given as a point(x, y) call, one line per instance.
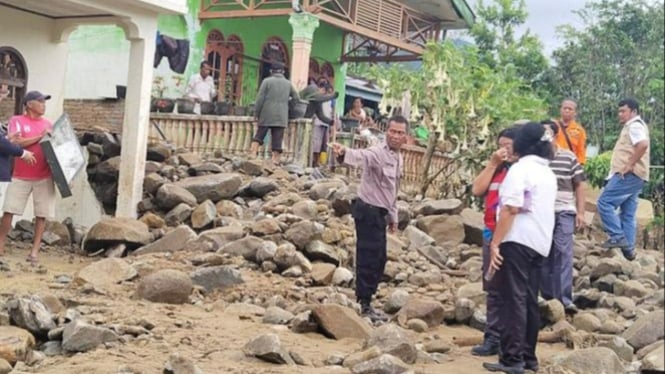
point(460, 98)
point(618, 53)
point(597, 169)
point(501, 49)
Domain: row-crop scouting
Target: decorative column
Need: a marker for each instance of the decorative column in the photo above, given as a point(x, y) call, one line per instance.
point(303, 24)
point(135, 124)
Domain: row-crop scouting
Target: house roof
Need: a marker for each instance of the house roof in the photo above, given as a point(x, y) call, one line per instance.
point(456, 14)
point(59, 9)
point(359, 87)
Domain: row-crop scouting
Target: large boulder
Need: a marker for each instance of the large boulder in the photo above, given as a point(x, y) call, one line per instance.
point(418, 238)
point(301, 233)
point(15, 344)
point(340, 322)
point(646, 330)
point(269, 348)
point(325, 189)
point(117, 230)
point(393, 340)
point(213, 187)
point(286, 256)
point(170, 195)
point(653, 357)
point(106, 272)
point(435, 207)
point(31, 314)
point(474, 224)
point(443, 228)
point(221, 236)
point(586, 361)
point(261, 186)
point(203, 215)
point(429, 311)
point(384, 364)
point(79, 336)
point(246, 247)
point(318, 250)
point(175, 240)
point(218, 277)
point(166, 286)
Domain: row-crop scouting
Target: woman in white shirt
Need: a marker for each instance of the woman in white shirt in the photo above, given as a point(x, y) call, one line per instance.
point(521, 242)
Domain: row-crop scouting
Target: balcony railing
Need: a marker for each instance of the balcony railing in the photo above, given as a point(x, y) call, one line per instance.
point(232, 136)
point(408, 28)
point(227, 135)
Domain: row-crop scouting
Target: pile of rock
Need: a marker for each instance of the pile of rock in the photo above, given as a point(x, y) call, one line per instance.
point(41, 326)
point(211, 222)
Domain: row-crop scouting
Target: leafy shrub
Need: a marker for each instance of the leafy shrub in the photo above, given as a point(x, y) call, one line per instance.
point(597, 168)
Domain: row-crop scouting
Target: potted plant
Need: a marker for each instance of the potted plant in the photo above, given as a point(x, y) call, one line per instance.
point(159, 102)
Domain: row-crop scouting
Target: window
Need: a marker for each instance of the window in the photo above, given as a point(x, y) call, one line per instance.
point(226, 58)
point(13, 82)
point(274, 50)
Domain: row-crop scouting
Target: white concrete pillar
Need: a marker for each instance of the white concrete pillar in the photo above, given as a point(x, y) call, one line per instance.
point(136, 124)
point(303, 24)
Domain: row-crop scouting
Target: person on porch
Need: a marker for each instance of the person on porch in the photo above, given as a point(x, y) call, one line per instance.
point(272, 110)
point(201, 87)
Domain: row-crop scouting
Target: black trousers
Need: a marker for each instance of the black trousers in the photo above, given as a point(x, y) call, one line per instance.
point(519, 319)
point(276, 135)
point(371, 246)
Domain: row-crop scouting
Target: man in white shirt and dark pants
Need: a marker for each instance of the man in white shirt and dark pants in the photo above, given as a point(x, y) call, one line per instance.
point(629, 171)
point(201, 87)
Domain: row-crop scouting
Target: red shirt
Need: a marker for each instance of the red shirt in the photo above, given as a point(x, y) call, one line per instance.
point(29, 128)
point(492, 198)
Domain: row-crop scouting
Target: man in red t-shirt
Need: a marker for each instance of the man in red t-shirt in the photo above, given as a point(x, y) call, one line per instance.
point(27, 179)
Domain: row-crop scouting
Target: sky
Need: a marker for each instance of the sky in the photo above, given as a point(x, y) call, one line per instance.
point(545, 16)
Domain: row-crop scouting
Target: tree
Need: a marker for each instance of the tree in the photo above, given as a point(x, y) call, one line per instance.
point(500, 48)
point(461, 100)
point(618, 53)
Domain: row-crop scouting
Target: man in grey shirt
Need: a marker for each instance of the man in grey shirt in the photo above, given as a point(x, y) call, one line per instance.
point(375, 208)
point(272, 110)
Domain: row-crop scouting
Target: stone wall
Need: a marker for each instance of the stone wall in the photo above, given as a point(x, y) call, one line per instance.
point(86, 114)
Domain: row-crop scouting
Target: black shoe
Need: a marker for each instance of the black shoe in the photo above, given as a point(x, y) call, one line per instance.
point(533, 366)
point(497, 366)
point(628, 255)
point(571, 309)
point(373, 315)
point(488, 348)
point(615, 243)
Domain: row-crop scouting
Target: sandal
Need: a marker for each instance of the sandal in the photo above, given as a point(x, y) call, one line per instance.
point(32, 260)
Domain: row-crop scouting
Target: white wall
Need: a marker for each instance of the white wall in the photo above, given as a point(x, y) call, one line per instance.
point(46, 61)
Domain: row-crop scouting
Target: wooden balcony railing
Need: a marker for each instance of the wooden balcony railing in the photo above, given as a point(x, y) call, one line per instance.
point(388, 21)
point(232, 136)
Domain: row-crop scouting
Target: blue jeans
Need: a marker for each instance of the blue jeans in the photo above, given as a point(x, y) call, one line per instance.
point(556, 279)
point(620, 192)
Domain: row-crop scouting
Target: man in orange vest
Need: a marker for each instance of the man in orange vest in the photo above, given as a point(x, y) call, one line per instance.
point(572, 135)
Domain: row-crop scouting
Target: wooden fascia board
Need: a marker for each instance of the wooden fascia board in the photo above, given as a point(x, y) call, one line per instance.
point(371, 34)
point(245, 13)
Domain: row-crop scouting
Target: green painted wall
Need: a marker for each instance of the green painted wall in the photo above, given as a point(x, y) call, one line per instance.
point(326, 46)
point(91, 44)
